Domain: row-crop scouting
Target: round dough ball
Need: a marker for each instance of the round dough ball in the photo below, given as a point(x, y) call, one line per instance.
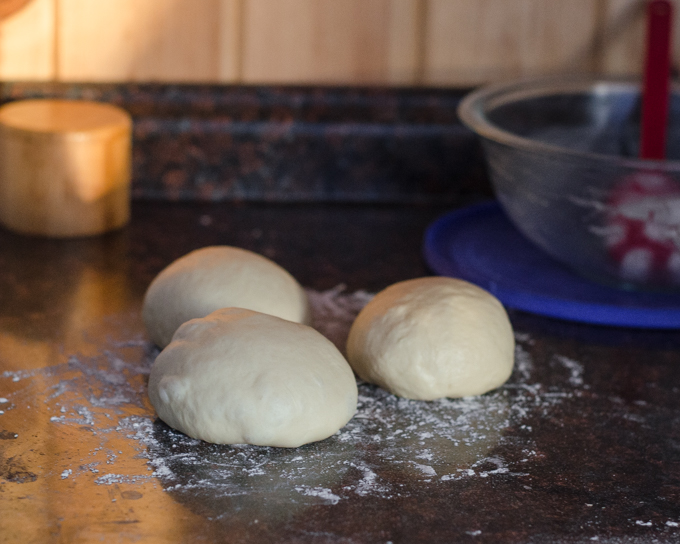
point(433, 337)
point(243, 377)
point(217, 277)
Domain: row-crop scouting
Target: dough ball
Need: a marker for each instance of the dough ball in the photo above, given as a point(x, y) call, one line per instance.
point(243, 377)
point(217, 277)
point(433, 337)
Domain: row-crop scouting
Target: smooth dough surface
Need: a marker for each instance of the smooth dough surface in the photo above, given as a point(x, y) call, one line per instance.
point(217, 277)
point(433, 337)
point(243, 377)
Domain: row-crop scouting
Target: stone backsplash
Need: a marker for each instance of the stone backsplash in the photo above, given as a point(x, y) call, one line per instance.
point(290, 144)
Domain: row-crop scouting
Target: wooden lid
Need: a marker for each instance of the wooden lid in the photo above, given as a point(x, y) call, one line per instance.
point(63, 116)
point(64, 167)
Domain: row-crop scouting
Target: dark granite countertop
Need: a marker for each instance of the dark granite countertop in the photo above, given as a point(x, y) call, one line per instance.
point(581, 445)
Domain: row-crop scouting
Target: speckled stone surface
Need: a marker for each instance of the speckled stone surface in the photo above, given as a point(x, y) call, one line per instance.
point(581, 445)
point(299, 144)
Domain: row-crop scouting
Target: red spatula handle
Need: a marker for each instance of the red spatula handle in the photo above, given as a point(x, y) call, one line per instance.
point(656, 80)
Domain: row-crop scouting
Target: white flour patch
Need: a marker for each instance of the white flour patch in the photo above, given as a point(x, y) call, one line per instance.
point(18, 375)
point(333, 312)
point(575, 370)
point(325, 494)
point(425, 469)
point(369, 483)
point(110, 479)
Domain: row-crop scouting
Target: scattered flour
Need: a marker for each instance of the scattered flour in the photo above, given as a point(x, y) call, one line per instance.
point(389, 440)
point(320, 492)
point(575, 370)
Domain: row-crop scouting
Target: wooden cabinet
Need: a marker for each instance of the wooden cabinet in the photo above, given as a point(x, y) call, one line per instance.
point(100, 40)
point(27, 42)
point(384, 42)
point(330, 41)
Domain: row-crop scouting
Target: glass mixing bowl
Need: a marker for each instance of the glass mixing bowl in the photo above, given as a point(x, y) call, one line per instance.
point(562, 157)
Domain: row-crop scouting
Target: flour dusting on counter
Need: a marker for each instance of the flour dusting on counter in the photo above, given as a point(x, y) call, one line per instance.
point(389, 440)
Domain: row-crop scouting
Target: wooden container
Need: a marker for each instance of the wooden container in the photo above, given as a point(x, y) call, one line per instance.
point(64, 167)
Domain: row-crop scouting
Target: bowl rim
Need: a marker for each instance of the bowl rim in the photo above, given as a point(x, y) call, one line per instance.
point(474, 106)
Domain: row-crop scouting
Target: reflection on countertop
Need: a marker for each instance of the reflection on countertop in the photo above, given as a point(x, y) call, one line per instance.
point(581, 444)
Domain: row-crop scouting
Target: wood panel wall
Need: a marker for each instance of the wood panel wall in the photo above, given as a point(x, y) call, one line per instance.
point(385, 42)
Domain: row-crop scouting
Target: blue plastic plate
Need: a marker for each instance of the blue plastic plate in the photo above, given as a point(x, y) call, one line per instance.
point(480, 245)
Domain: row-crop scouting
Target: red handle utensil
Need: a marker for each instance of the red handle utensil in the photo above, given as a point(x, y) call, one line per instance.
point(642, 245)
point(656, 83)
